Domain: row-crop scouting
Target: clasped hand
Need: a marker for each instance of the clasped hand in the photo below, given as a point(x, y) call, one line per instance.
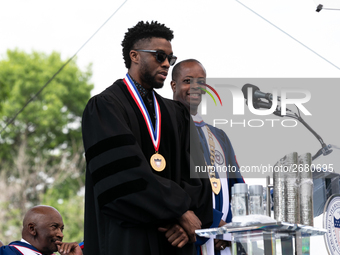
point(179, 234)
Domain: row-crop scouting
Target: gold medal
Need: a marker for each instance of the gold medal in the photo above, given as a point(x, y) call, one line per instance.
point(215, 185)
point(157, 162)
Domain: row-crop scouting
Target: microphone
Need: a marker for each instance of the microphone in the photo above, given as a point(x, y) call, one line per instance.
point(257, 94)
point(260, 104)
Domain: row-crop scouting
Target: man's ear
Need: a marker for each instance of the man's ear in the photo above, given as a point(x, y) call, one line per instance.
point(32, 229)
point(173, 86)
point(134, 56)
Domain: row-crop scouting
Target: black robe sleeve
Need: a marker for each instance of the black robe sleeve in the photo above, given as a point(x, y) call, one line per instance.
point(196, 184)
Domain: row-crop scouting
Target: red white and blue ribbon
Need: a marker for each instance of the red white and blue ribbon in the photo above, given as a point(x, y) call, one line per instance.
point(155, 133)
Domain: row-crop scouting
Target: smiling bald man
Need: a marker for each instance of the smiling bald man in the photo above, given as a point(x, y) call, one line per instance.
point(42, 233)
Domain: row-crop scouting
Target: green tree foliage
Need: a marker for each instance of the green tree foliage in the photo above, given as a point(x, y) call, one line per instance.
point(41, 153)
point(52, 120)
point(4, 86)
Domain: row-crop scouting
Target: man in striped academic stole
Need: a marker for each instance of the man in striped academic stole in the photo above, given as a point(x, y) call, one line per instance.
point(140, 197)
point(42, 234)
point(187, 77)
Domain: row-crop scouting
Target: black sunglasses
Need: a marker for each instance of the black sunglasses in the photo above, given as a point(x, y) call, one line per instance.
point(161, 56)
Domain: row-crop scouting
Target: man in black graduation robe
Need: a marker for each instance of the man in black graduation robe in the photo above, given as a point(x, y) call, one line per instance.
point(126, 200)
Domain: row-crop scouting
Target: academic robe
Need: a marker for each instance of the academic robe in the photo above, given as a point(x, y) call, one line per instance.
point(224, 156)
point(125, 199)
point(18, 248)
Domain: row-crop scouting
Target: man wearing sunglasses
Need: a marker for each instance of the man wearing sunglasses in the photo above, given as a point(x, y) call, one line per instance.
point(139, 196)
point(188, 82)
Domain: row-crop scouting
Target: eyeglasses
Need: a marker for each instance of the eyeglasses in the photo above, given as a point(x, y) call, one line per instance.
point(161, 56)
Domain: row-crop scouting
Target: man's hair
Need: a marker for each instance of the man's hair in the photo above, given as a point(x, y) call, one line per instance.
point(143, 31)
point(177, 68)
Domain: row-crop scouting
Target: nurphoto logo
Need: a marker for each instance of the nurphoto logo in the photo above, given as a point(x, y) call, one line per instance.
point(254, 101)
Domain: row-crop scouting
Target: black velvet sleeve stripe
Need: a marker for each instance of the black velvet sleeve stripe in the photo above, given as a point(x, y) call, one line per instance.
point(115, 167)
point(121, 190)
point(109, 143)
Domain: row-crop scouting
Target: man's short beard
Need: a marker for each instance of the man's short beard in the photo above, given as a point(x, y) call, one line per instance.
point(148, 78)
point(151, 81)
